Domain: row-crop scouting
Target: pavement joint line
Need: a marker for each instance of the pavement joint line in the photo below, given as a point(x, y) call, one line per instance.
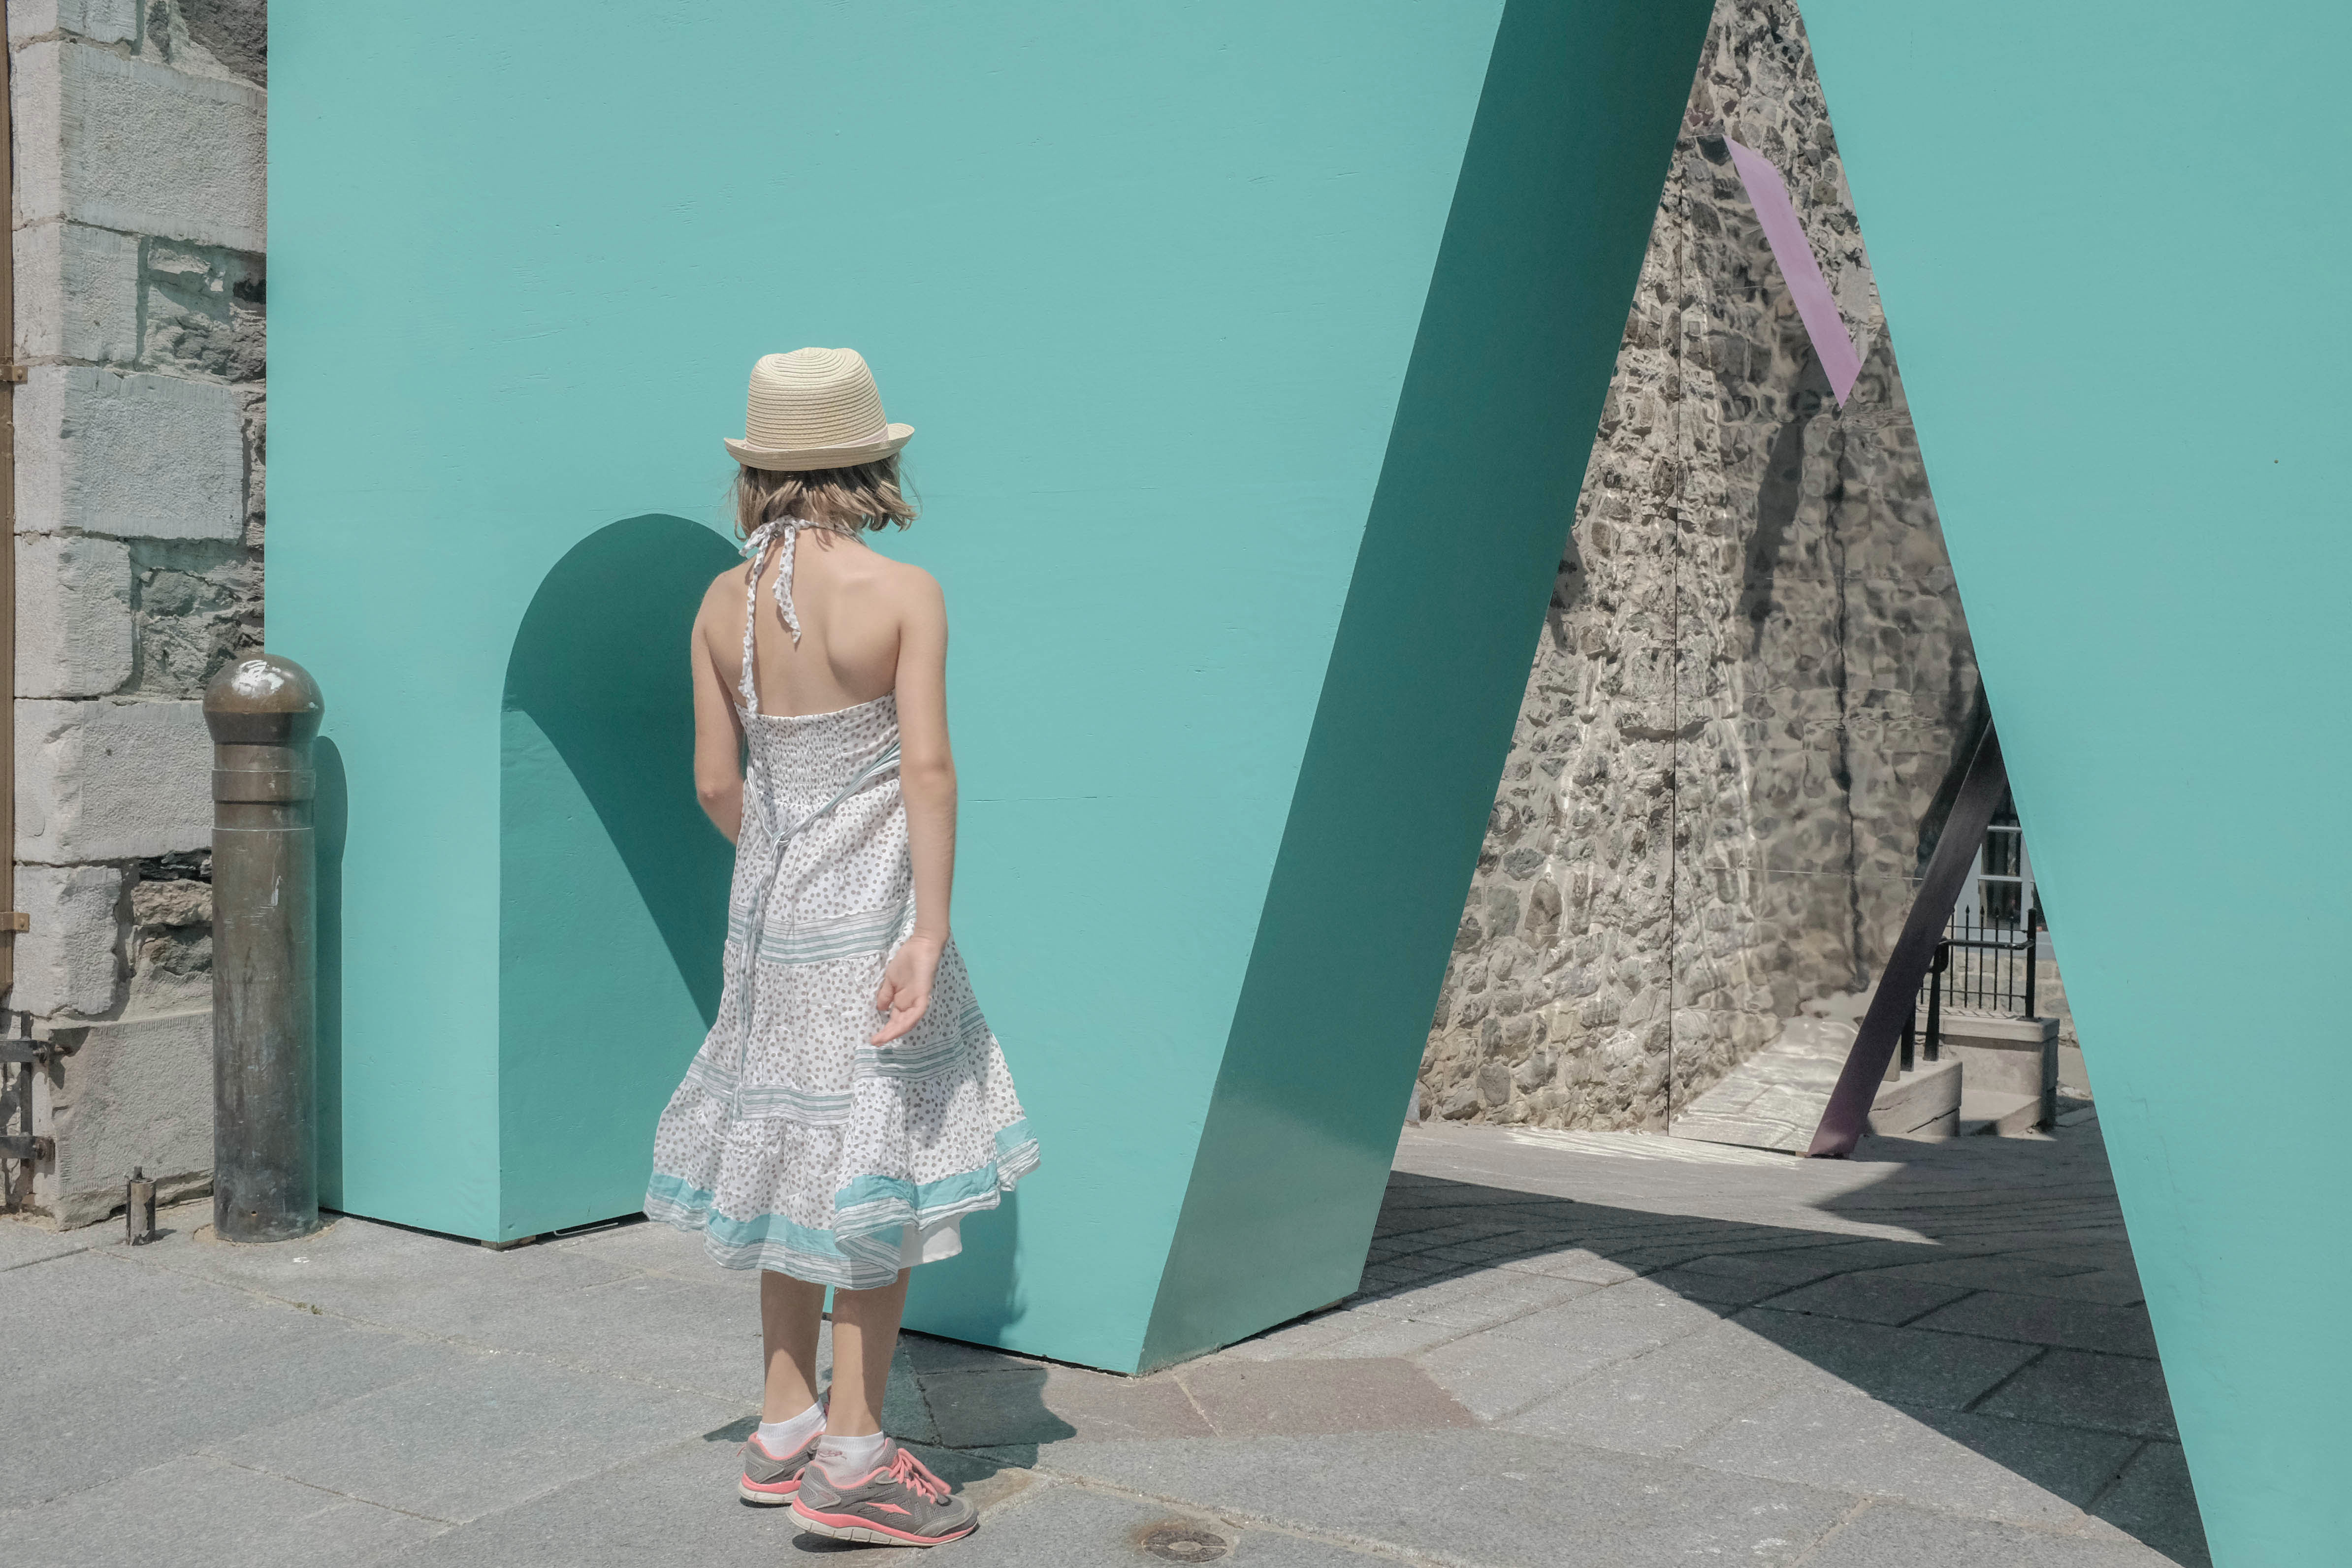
point(2011, 1376)
point(2114, 1478)
point(1832, 1532)
point(313, 1486)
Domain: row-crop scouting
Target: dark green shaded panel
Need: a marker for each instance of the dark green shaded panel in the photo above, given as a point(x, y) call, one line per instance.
point(613, 884)
point(1517, 339)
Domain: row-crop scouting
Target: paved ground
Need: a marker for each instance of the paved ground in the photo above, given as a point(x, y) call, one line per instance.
point(1570, 1348)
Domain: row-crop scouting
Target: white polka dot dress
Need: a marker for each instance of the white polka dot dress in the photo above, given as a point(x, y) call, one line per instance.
point(793, 1143)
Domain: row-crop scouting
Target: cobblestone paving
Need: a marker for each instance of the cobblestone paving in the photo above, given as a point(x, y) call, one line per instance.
point(1570, 1347)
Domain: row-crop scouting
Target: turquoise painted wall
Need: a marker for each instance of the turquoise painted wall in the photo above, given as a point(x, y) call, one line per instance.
point(2111, 241)
point(1186, 304)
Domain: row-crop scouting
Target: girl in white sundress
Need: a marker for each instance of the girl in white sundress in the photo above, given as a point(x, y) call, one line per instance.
point(850, 1105)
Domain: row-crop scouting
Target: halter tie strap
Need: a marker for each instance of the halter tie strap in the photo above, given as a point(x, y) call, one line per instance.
point(780, 533)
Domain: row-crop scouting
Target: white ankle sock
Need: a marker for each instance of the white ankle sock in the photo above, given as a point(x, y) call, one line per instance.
point(780, 1437)
point(847, 1458)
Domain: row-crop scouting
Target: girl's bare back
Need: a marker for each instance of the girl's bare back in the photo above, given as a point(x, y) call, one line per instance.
point(854, 605)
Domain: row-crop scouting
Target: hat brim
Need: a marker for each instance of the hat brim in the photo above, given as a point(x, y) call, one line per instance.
point(786, 460)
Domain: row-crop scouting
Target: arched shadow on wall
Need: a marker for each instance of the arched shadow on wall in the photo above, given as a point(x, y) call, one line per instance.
point(599, 665)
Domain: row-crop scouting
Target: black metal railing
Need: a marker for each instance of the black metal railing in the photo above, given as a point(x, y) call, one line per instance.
point(1980, 967)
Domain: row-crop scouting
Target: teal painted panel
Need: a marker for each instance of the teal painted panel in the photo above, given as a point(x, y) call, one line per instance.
point(613, 883)
point(1146, 281)
point(2108, 238)
point(1517, 341)
point(1149, 282)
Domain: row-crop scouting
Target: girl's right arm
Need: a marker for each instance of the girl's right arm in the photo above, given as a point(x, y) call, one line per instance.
point(717, 728)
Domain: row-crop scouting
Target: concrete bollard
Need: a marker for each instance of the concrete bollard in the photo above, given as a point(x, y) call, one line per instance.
point(263, 713)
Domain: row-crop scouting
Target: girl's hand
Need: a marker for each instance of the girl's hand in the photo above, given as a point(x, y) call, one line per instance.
point(906, 992)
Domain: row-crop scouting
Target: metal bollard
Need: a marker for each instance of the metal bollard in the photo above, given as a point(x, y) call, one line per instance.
point(264, 713)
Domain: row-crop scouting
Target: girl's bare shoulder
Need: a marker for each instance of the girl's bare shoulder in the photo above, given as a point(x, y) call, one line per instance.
point(725, 594)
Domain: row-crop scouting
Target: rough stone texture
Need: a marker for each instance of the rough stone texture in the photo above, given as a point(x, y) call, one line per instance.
point(128, 144)
point(73, 616)
point(133, 1093)
point(140, 310)
point(1753, 679)
point(112, 779)
point(129, 455)
point(69, 962)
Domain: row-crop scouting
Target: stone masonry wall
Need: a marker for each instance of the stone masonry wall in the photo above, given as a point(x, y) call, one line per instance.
point(1753, 679)
point(138, 231)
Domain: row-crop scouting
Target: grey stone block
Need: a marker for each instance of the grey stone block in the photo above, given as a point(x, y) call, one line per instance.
point(76, 293)
point(1908, 1366)
point(1981, 1465)
point(106, 21)
point(2048, 1320)
point(112, 779)
point(249, 1521)
point(73, 615)
point(1895, 1535)
point(67, 962)
point(127, 143)
point(1509, 1500)
point(2117, 1392)
point(1304, 1397)
point(129, 455)
point(137, 1093)
point(466, 1441)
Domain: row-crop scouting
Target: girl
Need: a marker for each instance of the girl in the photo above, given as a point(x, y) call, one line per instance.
point(850, 1105)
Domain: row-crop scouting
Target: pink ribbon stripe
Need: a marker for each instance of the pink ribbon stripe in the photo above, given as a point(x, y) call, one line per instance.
point(1798, 267)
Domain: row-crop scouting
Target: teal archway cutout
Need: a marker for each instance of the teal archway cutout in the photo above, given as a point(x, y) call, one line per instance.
point(612, 884)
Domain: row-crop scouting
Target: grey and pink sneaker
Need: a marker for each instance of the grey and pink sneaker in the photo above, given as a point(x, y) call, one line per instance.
point(769, 1480)
point(896, 1503)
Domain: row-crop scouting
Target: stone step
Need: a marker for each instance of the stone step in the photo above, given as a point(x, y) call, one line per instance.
point(2000, 1113)
point(1924, 1103)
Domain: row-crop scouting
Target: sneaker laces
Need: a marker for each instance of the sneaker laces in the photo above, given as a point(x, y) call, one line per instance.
point(910, 1471)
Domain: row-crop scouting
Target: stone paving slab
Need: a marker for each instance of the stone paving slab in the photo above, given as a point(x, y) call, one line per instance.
point(2019, 1472)
point(2152, 1501)
point(1907, 1366)
point(2117, 1392)
point(166, 1366)
point(457, 1444)
point(1303, 1398)
point(1895, 1535)
point(2048, 1320)
point(200, 1512)
point(1485, 1497)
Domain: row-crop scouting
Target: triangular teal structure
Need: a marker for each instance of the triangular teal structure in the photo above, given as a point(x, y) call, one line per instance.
point(2110, 238)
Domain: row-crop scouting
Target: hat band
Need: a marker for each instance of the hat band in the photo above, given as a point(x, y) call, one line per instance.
point(823, 443)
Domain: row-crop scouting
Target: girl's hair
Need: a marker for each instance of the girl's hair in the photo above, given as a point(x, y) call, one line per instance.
point(848, 499)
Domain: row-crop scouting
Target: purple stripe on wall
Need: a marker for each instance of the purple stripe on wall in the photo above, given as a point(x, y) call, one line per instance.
point(1806, 285)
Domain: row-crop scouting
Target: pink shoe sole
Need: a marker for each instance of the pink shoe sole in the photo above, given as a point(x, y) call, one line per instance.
point(850, 1527)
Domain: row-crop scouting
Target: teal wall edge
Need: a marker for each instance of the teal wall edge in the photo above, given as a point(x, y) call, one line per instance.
point(2110, 240)
point(1517, 339)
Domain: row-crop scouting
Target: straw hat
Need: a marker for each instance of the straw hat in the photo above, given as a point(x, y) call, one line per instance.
point(814, 408)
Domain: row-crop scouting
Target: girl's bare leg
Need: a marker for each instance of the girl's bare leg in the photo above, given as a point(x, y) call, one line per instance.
point(865, 1332)
point(790, 1309)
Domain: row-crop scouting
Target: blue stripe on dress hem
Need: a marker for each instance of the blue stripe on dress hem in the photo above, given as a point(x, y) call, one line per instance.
point(852, 1256)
